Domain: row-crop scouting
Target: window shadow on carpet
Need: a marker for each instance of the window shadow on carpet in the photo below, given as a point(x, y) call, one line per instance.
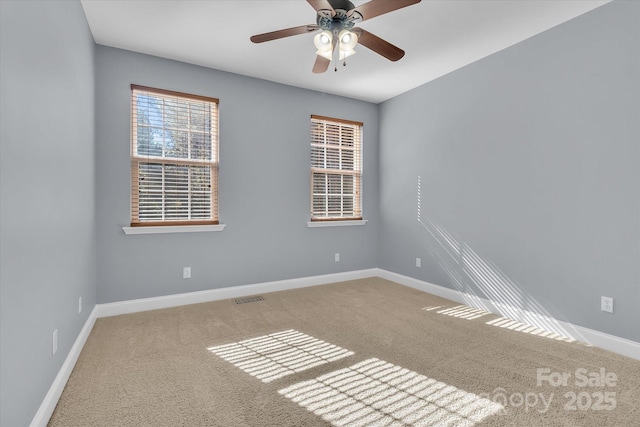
point(279, 354)
point(377, 393)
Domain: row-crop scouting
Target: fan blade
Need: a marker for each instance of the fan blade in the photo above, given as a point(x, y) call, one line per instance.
point(273, 35)
point(322, 6)
point(378, 45)
point(378, 7)
point(321, 65)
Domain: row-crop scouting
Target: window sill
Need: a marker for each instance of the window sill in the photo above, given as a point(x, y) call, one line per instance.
point(173, 229)
point(313, 224)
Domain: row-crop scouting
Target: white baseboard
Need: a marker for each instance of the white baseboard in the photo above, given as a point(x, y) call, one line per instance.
point(55, 391)
point(145, 304)
point(586, 335)
point(579, 333)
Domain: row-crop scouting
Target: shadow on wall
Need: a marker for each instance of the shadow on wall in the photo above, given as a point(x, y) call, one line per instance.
point(478, 279)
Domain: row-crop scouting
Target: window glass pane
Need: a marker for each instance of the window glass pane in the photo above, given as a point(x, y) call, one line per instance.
point(319, 183)
point(170, 113)
point(200, 178)
point(335, 204)
point(347, 184)
point(149, 141)
point(149, 120)
point(347, 159)
point(149, 110)
point(200, 208)
point(200, 146)
point(317, 157)
point(150, 177)
point(348, 205)
point(176, 178)
point(198, 118)
point(176, 205)
point(348, 136)
point(182, 115)
point(182, 144)
point(319, 203)
point(333, 158)
point(176, 144)
point(151, 207)
point(334, 184)
point(332, 134)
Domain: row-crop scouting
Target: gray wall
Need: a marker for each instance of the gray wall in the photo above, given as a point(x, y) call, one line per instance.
point(516, 178)
point(264, 185)
point(47, 187)
point(529, 169)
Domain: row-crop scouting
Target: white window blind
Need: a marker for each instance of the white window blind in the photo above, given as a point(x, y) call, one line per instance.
point(174, 158)
point(336, 169)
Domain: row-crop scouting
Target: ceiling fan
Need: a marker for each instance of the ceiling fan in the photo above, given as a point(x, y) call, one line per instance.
point(335, 21)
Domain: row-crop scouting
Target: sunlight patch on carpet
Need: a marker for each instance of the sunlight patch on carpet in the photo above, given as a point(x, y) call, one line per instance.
point(471, 313)
point(279, 354)
point(378, 393)
point(503, 322)
point(461, 311)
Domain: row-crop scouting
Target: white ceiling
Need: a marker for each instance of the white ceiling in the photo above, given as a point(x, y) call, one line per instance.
point(438, 36)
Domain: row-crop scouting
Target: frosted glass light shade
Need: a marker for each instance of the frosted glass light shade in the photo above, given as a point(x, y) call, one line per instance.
point(323, 42)
point(348, 41)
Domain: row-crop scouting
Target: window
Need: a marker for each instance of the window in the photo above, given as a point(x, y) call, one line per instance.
point(336, 169)
point(174, 158)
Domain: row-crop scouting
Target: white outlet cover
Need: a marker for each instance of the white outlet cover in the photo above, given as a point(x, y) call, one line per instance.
point(79, 305)
point(186, 273)
point(418, 262)
point(606, 304)
point(337, 257)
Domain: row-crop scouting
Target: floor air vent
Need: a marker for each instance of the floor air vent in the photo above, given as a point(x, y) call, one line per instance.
point(248, 299)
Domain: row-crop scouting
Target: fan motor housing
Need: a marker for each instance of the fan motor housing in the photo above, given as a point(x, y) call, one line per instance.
point(341, 20)
point(345, 5)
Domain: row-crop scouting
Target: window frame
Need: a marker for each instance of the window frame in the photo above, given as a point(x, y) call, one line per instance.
point(212, 164)
point(325, 217)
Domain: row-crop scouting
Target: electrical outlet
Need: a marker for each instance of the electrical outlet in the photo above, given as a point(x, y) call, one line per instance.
point(418, 262)
point(186, 273)
point(54, 342)
point(606, 304)
point(79, 305)
point(337, 257)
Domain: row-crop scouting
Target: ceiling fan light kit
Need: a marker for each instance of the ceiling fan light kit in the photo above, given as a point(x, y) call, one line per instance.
point(335, 21)
point(346, 43)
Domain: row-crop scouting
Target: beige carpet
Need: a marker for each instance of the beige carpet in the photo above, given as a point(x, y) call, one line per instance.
point(361, 353)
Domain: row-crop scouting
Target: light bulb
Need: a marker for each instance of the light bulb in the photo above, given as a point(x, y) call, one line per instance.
point(323, 44)
point(323, 40)
point(348, 41)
